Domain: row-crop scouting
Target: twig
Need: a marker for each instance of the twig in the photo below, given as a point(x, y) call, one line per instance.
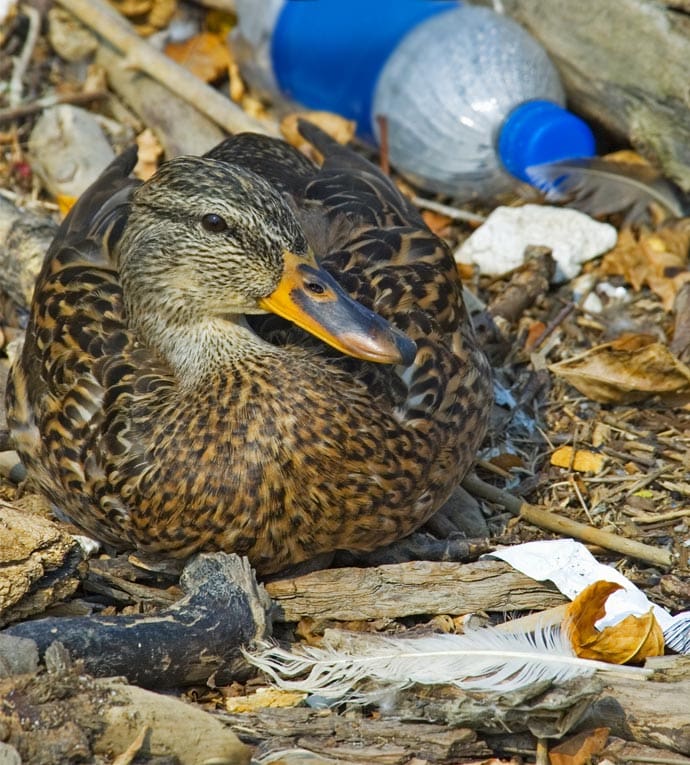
point(545, 519)
point(21, 63)
point(382, 122)
point(551, 327)
point(139, 54)
point(451, 212)
point(7, 115)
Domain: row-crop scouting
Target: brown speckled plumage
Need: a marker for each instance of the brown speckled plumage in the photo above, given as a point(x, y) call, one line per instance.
point(155, 417)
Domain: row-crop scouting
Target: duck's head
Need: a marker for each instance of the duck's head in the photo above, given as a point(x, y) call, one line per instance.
point(206, 240)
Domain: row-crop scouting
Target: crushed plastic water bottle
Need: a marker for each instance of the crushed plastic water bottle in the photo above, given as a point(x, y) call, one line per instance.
point(470, 99)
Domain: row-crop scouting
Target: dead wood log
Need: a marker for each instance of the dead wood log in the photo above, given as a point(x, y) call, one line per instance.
point(180, 129)
point(355, 737)
point(198, 636)
point(608, 55)
point(419, 587)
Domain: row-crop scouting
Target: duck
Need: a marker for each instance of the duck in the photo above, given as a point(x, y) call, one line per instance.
point(250, 352)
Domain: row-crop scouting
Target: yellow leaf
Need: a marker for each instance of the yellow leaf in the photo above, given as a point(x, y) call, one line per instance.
point(206, 55)
point(582, 460)
point(626, 370)
point(264, 698)
point(633, 639)
point(65, 203)
point(150, 151)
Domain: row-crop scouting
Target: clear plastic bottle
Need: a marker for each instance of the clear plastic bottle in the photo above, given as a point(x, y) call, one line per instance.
point(471, 100)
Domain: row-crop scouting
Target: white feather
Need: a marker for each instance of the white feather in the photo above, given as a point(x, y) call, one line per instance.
point(486, 659)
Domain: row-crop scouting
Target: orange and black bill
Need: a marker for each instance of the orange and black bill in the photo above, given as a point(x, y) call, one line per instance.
point(311, 298)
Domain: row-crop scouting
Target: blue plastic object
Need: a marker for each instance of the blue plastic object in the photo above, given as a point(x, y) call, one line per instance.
point(470, 99)
point(327, 54)
point(540, 131)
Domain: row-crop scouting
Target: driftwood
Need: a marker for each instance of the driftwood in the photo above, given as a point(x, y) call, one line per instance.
point(420, 587)
point(141, 55)
point(180, 130)
point(651, 713)
point(624, 65)
point(187, 643)
point(355, 738)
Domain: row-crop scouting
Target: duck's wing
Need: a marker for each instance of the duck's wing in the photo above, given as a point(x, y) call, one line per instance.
point(79, 358)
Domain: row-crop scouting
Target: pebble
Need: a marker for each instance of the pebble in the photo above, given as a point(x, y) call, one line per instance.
point(68, 150)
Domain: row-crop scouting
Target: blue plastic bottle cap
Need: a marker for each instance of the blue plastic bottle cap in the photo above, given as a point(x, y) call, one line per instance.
point(327, 54)
point(537, 132)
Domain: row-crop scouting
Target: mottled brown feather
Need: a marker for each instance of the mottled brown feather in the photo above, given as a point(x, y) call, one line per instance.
point(286, 448)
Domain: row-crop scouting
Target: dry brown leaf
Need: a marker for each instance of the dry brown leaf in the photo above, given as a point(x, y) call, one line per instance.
point(631, 640)
point(657, 259)
point(437, 222)
point(582, 460)
point(206, 55)
point(337, 127)
point(506, 461)
point(578, 749)
point(150, 152)
point(628, 369)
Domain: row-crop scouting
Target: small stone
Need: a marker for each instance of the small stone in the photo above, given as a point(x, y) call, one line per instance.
point(68, 150)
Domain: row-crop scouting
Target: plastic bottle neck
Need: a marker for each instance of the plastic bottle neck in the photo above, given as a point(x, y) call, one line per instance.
point(538, 132)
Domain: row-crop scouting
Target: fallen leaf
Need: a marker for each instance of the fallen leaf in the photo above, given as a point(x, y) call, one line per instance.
point(578, 749)
point(632, 639)
point(657, 259)
point(206, 55)
point(628, 369)
point(150, 152)
point(506, 461)
point(437, 222)
point(582, 460)
point(264, 698)
point(337, 127)
point(147, 16)
point(65, 203)
point(535, 331)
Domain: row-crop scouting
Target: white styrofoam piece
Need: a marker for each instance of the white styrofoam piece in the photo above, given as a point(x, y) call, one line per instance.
point(498, 245)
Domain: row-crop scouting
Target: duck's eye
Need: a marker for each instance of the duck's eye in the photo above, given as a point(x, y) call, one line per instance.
point(315, 287)
point(214, 223)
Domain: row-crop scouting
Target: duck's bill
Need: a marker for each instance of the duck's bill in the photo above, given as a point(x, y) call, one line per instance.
point(311, 298)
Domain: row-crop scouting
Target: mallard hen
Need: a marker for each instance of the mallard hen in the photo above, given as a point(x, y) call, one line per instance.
point(160, 408)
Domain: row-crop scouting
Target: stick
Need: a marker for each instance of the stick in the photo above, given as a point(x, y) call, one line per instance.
point(450, 212)
point(7, 115)
point(22, 61)
point(139, 54)
point(545, 519)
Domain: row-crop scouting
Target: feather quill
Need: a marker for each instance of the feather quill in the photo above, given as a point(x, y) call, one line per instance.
point(599, 187)
point(486, 659)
